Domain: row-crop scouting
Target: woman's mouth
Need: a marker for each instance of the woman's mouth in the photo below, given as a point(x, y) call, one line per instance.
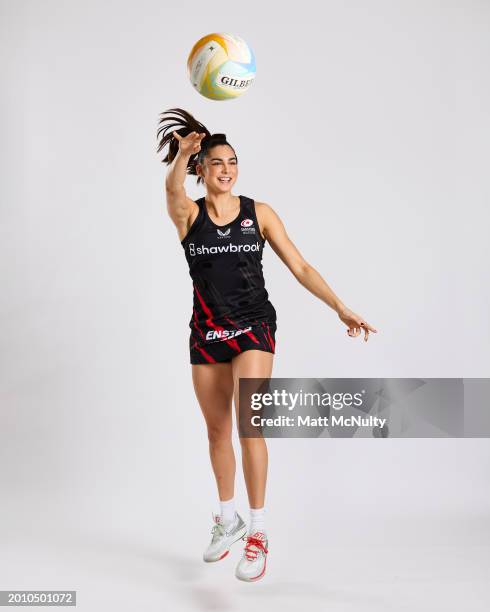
point(224, 179)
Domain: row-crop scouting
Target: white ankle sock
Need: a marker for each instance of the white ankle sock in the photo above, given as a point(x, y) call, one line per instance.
point(257, 520)
point(227, 510)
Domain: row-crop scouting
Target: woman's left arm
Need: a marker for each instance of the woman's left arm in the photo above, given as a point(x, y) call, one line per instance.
point(276, 235)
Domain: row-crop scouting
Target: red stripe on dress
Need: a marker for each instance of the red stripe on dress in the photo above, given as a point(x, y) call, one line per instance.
point(267, 343)
point(249, 333)
point(210, 322)
point(270, 338)
point(196, 324)
point(206, 355)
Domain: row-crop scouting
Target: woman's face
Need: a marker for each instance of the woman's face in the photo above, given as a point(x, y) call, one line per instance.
point(219, 169)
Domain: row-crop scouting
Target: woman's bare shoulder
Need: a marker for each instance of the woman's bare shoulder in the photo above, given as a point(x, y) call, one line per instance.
point(263, 208)
point(266, 216)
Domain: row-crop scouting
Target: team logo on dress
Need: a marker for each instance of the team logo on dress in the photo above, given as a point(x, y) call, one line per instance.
point(225, 234)
point(226, 334)
point(247, 226)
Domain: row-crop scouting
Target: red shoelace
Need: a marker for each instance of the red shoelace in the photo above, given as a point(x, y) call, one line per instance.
point(249, 552)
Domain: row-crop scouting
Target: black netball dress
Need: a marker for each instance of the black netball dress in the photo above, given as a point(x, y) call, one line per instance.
point(232, 312)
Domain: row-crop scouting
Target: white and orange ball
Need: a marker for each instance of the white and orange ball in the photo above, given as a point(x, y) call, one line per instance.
point(221, 66)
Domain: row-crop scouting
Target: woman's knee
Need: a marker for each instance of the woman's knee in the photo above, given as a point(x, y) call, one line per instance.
point(252, 443)
point(219, 434)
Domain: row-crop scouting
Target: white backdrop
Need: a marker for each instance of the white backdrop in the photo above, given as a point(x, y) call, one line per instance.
point(367, 130)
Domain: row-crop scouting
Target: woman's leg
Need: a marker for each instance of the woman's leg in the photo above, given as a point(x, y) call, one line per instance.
point(213, 384)
point(253, 364)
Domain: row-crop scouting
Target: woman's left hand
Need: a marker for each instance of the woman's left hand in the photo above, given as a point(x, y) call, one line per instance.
point(354, 322)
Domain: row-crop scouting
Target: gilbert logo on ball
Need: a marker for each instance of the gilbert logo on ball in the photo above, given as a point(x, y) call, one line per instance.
point(221, 66)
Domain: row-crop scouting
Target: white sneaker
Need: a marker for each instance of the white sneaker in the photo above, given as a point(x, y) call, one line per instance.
point(223, 538)
point(252, 565)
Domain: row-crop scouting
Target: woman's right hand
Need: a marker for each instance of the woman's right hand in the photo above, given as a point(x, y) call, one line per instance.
point(190, 144)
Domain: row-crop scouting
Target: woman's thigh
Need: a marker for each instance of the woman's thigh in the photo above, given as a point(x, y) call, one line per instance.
point(250, 364)
point(213, 385)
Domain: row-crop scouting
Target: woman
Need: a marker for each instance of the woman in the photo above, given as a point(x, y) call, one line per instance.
point(233, 323)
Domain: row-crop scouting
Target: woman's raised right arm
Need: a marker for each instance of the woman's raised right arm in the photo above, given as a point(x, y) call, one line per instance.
point(179, 206)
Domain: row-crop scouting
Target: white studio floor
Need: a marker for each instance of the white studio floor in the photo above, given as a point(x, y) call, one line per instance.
point(408, 564)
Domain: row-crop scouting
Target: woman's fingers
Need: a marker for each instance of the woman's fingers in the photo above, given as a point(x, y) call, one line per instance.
point(193, 137)
point(369, 327)
point(357, 325)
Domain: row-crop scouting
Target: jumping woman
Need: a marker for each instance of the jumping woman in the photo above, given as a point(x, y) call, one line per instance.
point(233, 323)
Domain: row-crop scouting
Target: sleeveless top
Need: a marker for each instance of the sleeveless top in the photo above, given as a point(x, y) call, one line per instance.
point(225, 264)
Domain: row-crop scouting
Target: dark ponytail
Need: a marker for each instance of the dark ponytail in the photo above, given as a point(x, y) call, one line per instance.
point(182, 122)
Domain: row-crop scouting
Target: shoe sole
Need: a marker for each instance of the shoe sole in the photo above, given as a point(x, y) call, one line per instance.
point(226, 551)
point(256, 578)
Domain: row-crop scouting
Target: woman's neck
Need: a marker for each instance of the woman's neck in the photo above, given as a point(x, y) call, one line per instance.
point(222, 204)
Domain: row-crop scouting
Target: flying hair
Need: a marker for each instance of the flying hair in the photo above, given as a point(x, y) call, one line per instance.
point(180, 121)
